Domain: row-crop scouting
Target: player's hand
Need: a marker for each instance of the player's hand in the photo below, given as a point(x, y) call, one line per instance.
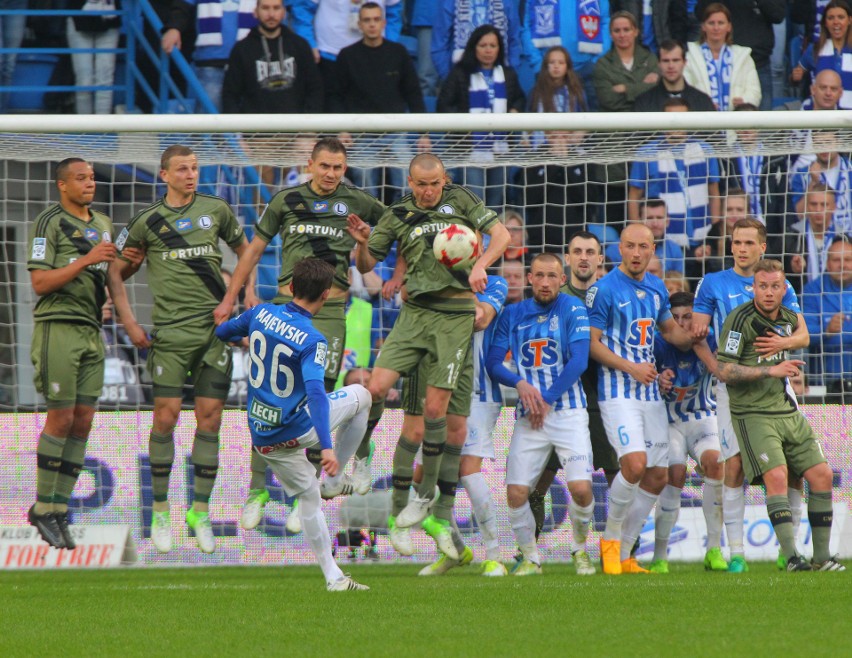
point(138, 336)
point(770, 344)
point(251, 299)
point(530, 397)
point(390, 288)
point(328, 461)
point(699, 329)
point(786, 369)
point(358, 228)
point(170, 40)
point(666, 380)
point(644, 373)
point(835, 325)
point(222, 313)
point(103, 252)
point(478, 318)
point(134, 255)
point(478, 278)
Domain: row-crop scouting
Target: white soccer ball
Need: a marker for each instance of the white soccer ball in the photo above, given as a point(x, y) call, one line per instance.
point(456, 247)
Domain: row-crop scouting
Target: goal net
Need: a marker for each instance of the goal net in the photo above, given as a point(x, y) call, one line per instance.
point(548, 176)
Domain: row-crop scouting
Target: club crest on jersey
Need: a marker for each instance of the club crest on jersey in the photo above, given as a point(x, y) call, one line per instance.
point(205, 221)
point(183, 224)
point(732, 344)
point(590, 297)
point(446, 209)
point(641, 333)
point(91, 234)
point(39, 248)
point(320, 206)
point(554, 323)
point(749, 288)
point(539, 353)
point(640, 294)
point(340, 208)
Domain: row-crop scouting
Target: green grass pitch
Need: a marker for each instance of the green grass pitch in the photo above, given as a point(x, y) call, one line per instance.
point(285, 611)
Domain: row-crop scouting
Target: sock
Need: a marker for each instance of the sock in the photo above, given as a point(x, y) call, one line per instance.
point(621, 496)
point(643, 503)
point(455, 533)
point(316, 532)
point(434, 441)
point(258, 471)
point(780, 516)
point(795, 497)
point(733, 513)
point(314, 456)
point(711, 504)
point(73, 456)
point(820, 515)
point(403, 471)
point(523, 525)
point(205, 459)
point(448, 480)
point(537, 506)
point(348, 437)
point(373, 418)
point(48, 460)
point(668, 509)
point(580, 519)
point(161, 451)
point(485, 512)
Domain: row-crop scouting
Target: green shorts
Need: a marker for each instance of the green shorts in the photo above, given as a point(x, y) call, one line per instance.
point(438, 339)
point(68, 359)
point(414, 391)
point(189, 353)
point(770, 441)
point(331, 323)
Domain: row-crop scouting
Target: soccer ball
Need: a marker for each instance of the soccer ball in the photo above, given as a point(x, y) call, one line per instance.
point(456, 247)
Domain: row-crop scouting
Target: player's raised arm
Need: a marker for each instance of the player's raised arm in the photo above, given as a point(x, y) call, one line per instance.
point(360, 232)
point(700, 324)
point(47, 281)
point(249, 256)
point(676, 335)
point(497, 245)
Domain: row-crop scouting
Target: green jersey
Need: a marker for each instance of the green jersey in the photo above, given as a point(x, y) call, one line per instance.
point(768, 395)
point(314, 225)
point(415, 229)
point(57, 239)
point(184, 260)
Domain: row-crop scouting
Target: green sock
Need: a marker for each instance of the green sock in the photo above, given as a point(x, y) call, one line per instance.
point(403, 472)
point(48, 459)
point(820, 515)
point(372, 420)
point(205, 459)
point(258, 471)
point(434, 441)
point(161, 451)
point(781, 518)
point(73, 456)
point(448, 479)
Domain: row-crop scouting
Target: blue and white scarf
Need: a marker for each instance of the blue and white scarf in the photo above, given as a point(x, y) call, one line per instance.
point(589, 36)
point(470, 14)
point(720, 90)
point(750, 166)
point(543, 19)
point(210, 21)
point(816, 257)
point(487, 94)
point(841, 222)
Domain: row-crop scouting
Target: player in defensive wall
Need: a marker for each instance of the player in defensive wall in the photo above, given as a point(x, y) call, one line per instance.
point(626, 307)
point(180, 236)
point(436, 322)
point(774, 436)
point(70, 249)
point(311, 219)
point(687, 386)
point(288, 408)
point(716, 296)
point(548, 336)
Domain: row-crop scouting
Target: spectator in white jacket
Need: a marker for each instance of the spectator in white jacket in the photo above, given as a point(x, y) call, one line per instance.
point(720, 69)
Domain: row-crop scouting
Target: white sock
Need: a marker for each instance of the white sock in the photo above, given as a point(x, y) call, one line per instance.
point(643, 503)
point(485, 511)
point(621, 495)
point(316, 530)
point(733, 512)
point(523, 525)
point(668, 509)
point(711, 503)
point(580, 519)
point(795, 498)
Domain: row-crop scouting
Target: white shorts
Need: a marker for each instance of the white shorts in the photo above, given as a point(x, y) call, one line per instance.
point(567, 431)
point(728, 444)
point(291, 465)
point(692, 437)
point(480, 429)
point(637, 426)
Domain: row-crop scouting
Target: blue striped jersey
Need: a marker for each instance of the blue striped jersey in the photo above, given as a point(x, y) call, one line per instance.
point(721, 292)
point(285, 351)
point(484, 389)
point(540, 339)
point(692, 395)
point(627, 312)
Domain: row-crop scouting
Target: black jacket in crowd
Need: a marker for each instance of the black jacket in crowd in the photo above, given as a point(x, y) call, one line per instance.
point(375, 80)
point(653, 99)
